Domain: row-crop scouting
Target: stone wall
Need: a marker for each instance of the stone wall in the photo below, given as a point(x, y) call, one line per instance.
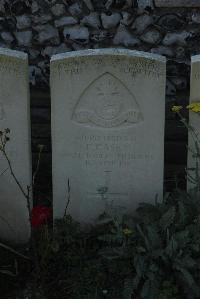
point(43, 28)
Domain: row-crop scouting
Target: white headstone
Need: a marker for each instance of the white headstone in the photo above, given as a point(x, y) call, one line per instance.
point(194, 118)
point(107, 130)
point(15, 115)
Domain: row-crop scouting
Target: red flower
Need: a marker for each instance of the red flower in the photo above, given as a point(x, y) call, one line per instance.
point(40, 215)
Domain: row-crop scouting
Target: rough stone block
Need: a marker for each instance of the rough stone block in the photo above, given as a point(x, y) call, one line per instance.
point(177, 3)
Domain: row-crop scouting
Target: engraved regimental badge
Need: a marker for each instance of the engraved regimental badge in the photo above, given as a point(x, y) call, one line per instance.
point(107, 103)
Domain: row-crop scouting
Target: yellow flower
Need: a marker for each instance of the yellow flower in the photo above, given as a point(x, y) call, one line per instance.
point(127, 231)
point(176, 108)
point(195, 107)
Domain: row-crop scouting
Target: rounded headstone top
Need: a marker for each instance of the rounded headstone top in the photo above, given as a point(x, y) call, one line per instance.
point(110, 51)
point(13, 53)
point(195, 58)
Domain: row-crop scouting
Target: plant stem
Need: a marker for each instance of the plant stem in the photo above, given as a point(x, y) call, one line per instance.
point(13, 174)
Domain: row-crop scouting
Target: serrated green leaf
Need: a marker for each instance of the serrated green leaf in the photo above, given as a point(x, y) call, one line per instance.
point(7, 272)
point(148, 213)
point(187, 276)
point(146, 241)
point(141, 249)
point(153, 236)
point(140, 265)
point(182, 212)
point(146, 289)
point(168, 218)
point(128, 288)
point(182, 238)
point(190, 263)
point(172, 247)
point(136, 282)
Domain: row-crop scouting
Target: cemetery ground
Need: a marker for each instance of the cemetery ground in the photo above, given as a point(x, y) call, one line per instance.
point(152, 254)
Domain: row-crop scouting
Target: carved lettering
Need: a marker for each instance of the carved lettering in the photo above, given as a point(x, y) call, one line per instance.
point(146, 67)
point(117, 151)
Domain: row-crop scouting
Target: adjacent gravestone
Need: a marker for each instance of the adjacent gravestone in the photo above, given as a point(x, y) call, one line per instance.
point(193, 117)
point(177, 3)
point(107, 130)
point(14, 114)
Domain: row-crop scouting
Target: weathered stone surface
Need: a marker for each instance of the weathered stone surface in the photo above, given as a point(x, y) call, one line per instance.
point(142, 22)
point(42, 19)
point(107, 140)
point(89, 4)
point(8, 23)
point(24, 38)
point(177, 3)
point(14, 114)
point(171, 22)
point(129, 3)
point(47, 33)
point(76, 33)
point(100, 36)
point(77, 45)
point(108, 4)
point(99, 4)
point(152, 36)
point(33, 53)
point(110, 21)
point(127, 18)
point(145, 3)
point(120, 4)
point(7, 37)
point(125, 38)
point(196, 17)
point(64, 21)
point(23, 22)
point(176, 38)
point(2, 6)
point(49, 2)
point(75, 10)
point(58, 10)
point(3, 45)
point(161, 50)
point(34, 7)
point(18, 7)
point(92, 20)
point(193, 118)
point(180, 53)
point(49, 51)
